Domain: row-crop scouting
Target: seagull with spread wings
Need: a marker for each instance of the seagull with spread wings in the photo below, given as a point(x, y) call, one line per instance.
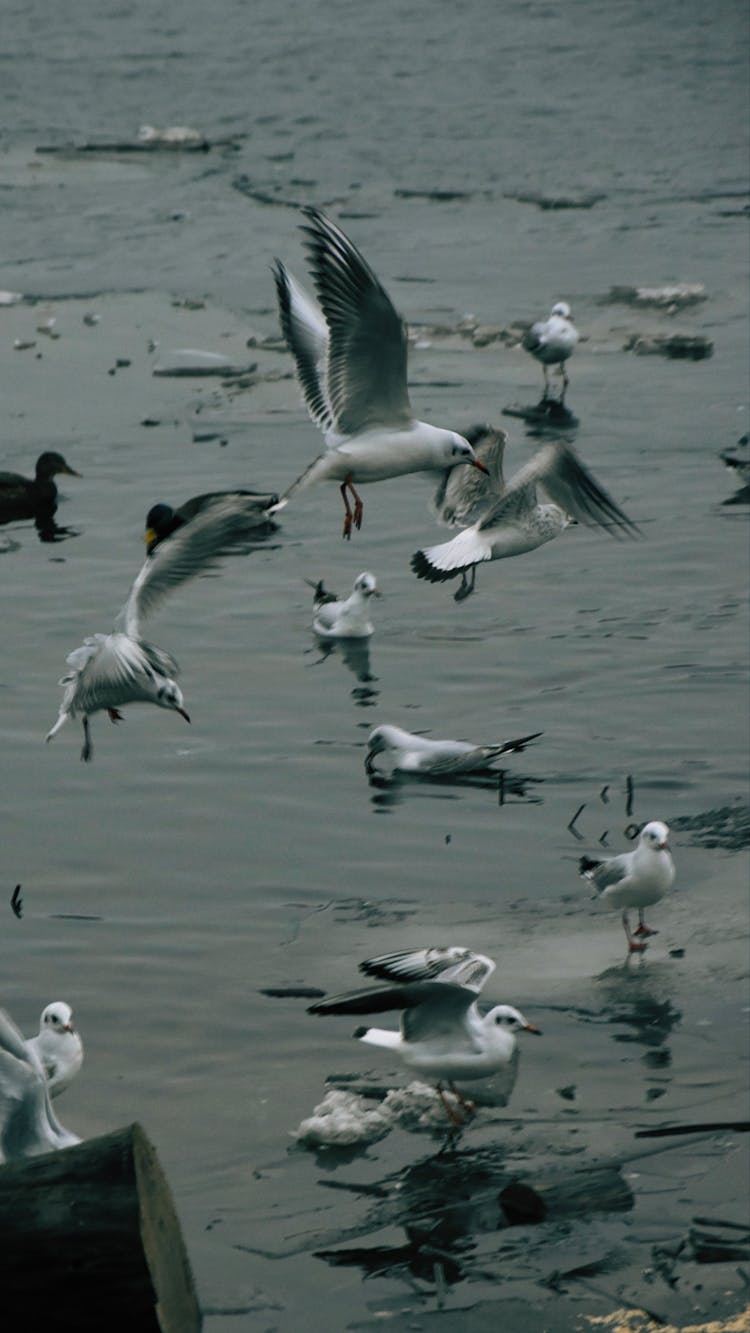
point(350, 353)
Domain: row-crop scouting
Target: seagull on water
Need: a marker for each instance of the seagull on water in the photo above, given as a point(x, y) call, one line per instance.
point(552, 341)
point(507, 519)
point(58, 1046)
point(408, 753)
point(111, 670)
point(442, 1036)
point(28, 1125)
point(350, 353)
point(345, 618)
point(634, 879)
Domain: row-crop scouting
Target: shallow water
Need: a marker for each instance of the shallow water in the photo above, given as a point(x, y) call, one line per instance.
point(249, 850)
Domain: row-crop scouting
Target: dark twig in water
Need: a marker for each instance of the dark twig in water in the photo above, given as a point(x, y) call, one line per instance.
point(603, 839)
point(603, 794)
point(704, 1127)
point(16, 902)
point(572, 824)
point(501, 787)
point(629, 796)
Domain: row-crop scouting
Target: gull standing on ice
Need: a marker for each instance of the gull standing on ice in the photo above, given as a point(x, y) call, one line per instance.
point(58, 1046)
point(443, 1036)
point(347, 618)
point(28, 1125)
point(634, 879)
point(409, 753)
point(350, 354)
point(552, 341)
point(508, 520)
point(111, 670)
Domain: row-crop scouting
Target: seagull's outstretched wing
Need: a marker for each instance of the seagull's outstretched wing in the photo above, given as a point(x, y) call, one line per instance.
point(28, 1125)
point(306, 336)
point(367, 351)
point(560, 472)
point(191, 550)
point(454, 963)
point(464, 493)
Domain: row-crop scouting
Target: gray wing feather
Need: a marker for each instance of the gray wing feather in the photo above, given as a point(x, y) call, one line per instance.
point(462, 966)
point(306, 336)
point(610, 872)
point(560, 472)
point(367, 352)
point(191, 550)
point(464, 493)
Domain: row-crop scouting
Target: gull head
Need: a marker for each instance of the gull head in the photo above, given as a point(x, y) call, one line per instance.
point(57, 1017)
point(505, 1016)
point(169, 695)
point(458, 450)
point(366, 585)
point(656, 836)
point(379, 741)
point(562, 309)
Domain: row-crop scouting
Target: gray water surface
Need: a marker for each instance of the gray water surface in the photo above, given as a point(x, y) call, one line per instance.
point(189, 868)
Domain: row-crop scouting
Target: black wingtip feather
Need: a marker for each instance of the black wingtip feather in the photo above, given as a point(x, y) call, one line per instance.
point(588, 863)
point(424, 570)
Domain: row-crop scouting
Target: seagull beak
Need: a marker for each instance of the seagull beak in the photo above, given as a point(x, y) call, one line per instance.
point(475, 462)
point(149, 536)
point(182, 713)
point(664, 847)
point(68, 1027)
point(530, 1028)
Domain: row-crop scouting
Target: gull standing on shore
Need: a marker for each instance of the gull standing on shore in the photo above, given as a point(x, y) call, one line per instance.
point(634, 879)
point(350, 354)
point(552, 341)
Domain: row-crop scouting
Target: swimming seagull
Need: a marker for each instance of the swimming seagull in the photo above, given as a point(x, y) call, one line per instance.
point(635, 879)
point(552, 341)
point(57, 1046)
point(347, 618)
point(162, 520)
point(511, 521)
point(409, 753)
point(111, 670)
point(350, 354)
point(28, 1125)
point(442, 1035)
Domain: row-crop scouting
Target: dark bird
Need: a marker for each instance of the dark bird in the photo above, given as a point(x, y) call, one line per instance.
point(162, 520)
point(25, 497)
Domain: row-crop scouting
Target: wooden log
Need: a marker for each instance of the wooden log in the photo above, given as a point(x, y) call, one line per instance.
point(90, 1242)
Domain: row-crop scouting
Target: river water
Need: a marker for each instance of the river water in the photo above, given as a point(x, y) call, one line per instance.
point(187, 870)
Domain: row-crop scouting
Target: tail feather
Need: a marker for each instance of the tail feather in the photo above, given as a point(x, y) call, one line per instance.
point(449, 559)
point(587, 865)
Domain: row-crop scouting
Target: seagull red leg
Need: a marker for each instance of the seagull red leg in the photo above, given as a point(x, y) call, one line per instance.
point(642, 931)
point(469, 1107)
point(449, 1110)
point(634, 945)
point(348, 519)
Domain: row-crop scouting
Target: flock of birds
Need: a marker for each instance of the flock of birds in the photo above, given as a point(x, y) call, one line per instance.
point(350, 351)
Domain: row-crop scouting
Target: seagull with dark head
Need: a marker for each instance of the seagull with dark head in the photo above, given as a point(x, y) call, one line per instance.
point(350, 351)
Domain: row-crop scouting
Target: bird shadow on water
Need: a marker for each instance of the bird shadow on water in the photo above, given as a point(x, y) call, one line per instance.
point(391, 789)
point(355, 654)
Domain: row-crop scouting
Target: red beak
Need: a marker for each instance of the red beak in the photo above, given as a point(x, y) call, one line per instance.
point(476, 463)
point(182, 713)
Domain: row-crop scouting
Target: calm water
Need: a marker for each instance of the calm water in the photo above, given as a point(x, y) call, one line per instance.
point(248, 850)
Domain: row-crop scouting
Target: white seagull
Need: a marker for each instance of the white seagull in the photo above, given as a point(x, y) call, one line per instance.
point(350, 354)
point(58, 1046)
point(409, 753)
point(635, 879)
point(552, 341)
point(442, 1035)
point(28, 1125)
point(111, 670)
point(507, 519)
point(345, 618)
